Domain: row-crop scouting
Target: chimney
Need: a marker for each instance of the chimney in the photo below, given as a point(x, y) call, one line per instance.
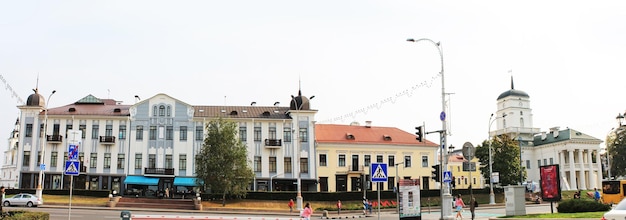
point(543, 135)
point(368, 124)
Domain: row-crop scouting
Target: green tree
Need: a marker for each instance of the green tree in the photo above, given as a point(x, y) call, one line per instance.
point(616, 147)
point(506, 159)
point(223, 160)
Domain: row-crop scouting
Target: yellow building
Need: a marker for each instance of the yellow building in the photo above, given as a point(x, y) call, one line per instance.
point(461, 173)
point(345, 152)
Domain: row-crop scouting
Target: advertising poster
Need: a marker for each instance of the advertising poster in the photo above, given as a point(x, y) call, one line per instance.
point(550, 184)
point(409, 196)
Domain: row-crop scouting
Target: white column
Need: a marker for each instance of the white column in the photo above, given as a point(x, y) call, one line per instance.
point(581, 175)
point(592, 170)
point(598, 169)
point(561, 161)
point(572, 171)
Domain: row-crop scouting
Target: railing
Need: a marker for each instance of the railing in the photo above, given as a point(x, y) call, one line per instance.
point(107, 139)
point(54, 138)
point(273, 142)
point(158, 171)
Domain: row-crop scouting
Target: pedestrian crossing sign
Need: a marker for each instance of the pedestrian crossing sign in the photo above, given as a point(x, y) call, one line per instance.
point(378, 172)
point(72, 168)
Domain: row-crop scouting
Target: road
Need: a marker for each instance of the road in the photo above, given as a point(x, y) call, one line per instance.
point(103, 213)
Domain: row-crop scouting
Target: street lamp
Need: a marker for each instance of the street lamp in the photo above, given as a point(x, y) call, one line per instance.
point(398, 188)
point(298, 107)
point(271, 181)
point(446, 197)
point(39, 190)
point(492, 197)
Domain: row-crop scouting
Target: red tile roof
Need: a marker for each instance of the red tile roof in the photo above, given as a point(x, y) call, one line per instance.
point(333, 133)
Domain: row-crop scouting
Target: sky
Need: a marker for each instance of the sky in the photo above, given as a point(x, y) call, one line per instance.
point(352, 56)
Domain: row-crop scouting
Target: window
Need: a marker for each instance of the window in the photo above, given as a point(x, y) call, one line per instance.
point(83, 130)
point(139, 135)
point(407, 161)
point(161, 110)
point(257, 164)
point(153, 133)
point(53, 158)
point(551, 161)
point(368, 160)
point(168, 161)
point(151, 160)
point(391, 182)
point(154, 110)
point(68, 127)
point(41, 130)
point(342, 160)
point(108, 130)
point(287, 164)
point(138, 161)
point(182, 162)
point(199, 134)
point(391, 160)
point(169, 133)
point(304, 165)
point(257, 133)
point(424, 161)
point(379, 158)
point(304, 135)
point(26, 160)
point(121, 159)
point(107, 160)
point(122, 131)
point(323, 160)
point(272, 133)
point(183, 133)
point(538, 164)
point(169, 111)
point(287, 134)
point(55, 129)
point(29, 130)
point(94, 131)
point(38, 157)
point(545, 161)
point(65, 156)
point(93, 162)
point(243, 133)
point(272, 164)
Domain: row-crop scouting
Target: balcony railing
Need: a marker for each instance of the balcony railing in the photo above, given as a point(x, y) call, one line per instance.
point(107, 139)
point(158, 171)
point(54, 138)
point(273, 143)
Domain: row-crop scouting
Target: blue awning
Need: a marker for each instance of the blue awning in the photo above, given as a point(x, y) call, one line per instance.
point(185, 181)
point(141, 180)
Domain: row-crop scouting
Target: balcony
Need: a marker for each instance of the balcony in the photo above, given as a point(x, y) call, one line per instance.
point(273, 143)
point(54, 138)
point(159, 171)
point(107, 139)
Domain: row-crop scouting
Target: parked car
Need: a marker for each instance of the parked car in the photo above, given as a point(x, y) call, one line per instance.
point(618, 211)
point(26, 199)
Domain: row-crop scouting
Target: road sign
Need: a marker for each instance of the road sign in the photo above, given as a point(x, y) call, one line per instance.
point(378, 172)
point(42, 166)
point(442, 116)
point(447, 176)
point(468, 151)
point(72, 152)
point(72, 168)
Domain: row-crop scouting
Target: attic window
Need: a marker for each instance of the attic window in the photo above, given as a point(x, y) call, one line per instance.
point(266, 113)
point(349, 136)
point(223, 111)
point(233, 113)
point(201, 110)
point(117, 110)
point(386, 137)
point(244, 111)
point(72, 109)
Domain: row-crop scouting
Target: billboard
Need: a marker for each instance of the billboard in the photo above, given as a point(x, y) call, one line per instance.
point(550, 183)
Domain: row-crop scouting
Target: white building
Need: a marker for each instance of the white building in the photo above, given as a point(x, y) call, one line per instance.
point(577, 154)
point(9, 169)
point(151, 145)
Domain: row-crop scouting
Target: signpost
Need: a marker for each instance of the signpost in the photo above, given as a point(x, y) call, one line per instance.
point(468, 154)
point(378, 172)
point(72, 165)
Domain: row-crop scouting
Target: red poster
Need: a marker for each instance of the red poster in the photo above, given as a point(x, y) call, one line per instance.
point(550, 184)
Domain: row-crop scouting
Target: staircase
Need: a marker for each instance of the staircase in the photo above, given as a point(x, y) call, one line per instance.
point(182, 204)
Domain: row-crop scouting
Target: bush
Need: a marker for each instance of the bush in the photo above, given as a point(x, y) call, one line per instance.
point(581, 205)
point(22, 214)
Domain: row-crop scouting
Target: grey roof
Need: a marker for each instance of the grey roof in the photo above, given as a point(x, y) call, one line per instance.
point(564, 135)
point(273, 112)
point(36, 99)
point(513, 92)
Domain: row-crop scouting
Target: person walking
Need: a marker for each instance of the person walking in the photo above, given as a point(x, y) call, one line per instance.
point(290, 204)
point(307, 212)
point(459, 204)
point(473, 205)
point(167, 192)
point(338, 207)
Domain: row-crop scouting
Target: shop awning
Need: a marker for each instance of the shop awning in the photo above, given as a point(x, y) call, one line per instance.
point(141, 180)
point(185, 181)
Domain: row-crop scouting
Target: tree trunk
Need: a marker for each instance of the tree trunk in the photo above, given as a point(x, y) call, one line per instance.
point(223, 199)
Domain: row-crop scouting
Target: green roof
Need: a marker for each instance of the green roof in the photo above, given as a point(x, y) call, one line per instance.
point(90, 99)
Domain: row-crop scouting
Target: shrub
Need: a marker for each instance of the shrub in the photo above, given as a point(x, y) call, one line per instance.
point(22, 214)
point(581, 205)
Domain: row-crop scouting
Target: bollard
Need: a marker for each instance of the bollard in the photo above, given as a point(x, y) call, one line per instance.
point(125, 215)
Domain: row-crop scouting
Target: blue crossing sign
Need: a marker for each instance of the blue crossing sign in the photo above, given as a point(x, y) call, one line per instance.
point(72, 168)
point(447, 176)
point(378, 172)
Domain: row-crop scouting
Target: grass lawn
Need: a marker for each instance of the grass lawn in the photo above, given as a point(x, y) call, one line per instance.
point(597, 215)
point(76, 200)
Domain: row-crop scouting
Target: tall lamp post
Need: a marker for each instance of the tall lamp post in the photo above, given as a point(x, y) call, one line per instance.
point(298, 107)
point(39, 190)
point(446, 206)
point(492, 197)
point(398, 188)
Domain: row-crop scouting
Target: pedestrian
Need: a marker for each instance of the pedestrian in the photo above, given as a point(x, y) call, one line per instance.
point(290, 204)
point(167, 192)
point(1, 192)
point(473, 205)
point(596, 195)
point(365, 204)
point(307, 212)
point(338, 207)
point(459, 206)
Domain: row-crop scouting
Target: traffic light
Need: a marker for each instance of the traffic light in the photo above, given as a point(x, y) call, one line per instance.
point(453, 182)
point(419, 133)
point(436, 172)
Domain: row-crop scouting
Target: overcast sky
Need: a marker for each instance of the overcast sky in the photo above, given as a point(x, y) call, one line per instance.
point(568, 56)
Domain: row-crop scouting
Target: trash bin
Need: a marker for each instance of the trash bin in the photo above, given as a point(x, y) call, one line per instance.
point(125, 215)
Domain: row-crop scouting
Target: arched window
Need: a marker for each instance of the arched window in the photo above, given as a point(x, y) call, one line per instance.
point(521, 122)
point(169, 111)
point(161, 110)
point(503, 123)
point(154, 110)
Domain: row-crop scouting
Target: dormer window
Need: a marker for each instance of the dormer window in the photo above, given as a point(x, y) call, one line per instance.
point(117, 110)
point(233, 113)
point(72, 109)
point(349, 136)
point(266, 113)
point(386, 137)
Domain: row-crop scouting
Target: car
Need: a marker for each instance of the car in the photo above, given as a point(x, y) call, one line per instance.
point(26, 199)
point(617, 212)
